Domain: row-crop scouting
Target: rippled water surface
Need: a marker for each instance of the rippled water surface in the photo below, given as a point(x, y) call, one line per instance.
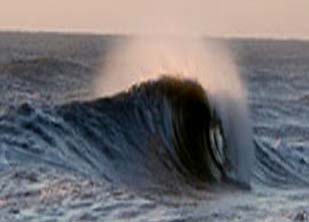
point(50, 171)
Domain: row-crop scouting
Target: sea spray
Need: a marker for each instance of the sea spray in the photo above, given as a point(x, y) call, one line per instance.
point(207, 62)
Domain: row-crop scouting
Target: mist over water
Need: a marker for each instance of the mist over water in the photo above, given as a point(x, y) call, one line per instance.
point(163, 132)
point(157, 145)
point(211, 64)
point(144, 58)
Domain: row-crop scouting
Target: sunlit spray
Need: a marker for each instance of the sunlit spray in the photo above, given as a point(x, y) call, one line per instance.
point(207, 62)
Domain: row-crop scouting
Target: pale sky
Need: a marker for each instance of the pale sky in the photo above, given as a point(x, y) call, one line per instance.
point(242, 18)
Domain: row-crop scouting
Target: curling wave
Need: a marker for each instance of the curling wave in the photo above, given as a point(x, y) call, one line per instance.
point(159, 133)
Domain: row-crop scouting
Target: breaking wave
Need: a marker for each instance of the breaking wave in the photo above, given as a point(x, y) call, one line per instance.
point(161, 132)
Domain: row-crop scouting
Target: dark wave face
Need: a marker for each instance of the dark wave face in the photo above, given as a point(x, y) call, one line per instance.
point(161, 133)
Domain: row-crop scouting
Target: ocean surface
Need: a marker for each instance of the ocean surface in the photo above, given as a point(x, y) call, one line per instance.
point(157, 152)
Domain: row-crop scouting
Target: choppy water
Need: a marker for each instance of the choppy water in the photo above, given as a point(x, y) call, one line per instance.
point(67, 157)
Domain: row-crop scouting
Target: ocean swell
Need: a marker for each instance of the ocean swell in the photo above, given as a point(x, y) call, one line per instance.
point(160, 133)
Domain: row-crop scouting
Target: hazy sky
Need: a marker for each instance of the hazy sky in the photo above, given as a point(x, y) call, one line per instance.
point(257, 18)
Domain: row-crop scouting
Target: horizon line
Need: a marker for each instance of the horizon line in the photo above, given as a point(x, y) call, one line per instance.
point(128, 34)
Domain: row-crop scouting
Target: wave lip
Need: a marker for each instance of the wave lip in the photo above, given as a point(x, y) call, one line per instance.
point(197, 132)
